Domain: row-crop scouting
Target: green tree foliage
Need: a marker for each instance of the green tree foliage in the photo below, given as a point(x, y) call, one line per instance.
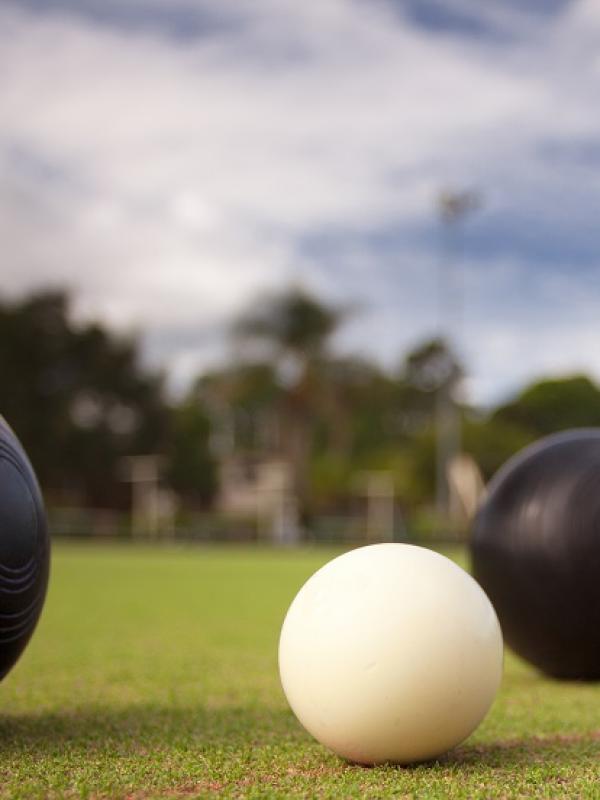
point(80, 400)
point(493, 441)
point(357, 411)
point(191, 468)
point(553, 405)
point(333, 417)
point(77, 397)
point(427, 371)
point(543, 407)
point(293, 329)
point(242, 401)
point(431, 366)
point(292, 323)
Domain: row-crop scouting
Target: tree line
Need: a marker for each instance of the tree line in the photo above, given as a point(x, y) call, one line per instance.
point(81, 400)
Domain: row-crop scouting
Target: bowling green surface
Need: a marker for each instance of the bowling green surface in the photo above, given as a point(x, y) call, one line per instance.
point(153, 674)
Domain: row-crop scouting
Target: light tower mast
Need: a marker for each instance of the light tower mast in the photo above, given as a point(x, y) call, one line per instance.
point(453, 207)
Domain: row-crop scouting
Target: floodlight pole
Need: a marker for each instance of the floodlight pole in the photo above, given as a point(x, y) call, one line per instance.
point(453, 207)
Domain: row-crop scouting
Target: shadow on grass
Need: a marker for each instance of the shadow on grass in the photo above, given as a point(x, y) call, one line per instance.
point(525, 751)
point(146, 727)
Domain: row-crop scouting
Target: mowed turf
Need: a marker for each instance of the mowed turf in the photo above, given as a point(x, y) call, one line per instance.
point(153, 673)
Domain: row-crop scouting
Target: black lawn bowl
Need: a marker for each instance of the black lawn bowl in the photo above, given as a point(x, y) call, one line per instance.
point(24, 550)
point(536, 552)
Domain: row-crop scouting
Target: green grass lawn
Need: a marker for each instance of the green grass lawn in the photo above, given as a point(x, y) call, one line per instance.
point(153, 673)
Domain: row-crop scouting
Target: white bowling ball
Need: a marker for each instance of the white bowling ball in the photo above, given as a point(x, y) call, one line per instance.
point(390, 653)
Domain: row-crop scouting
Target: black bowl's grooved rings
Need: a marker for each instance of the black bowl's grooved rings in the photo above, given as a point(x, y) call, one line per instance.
point(24, 550)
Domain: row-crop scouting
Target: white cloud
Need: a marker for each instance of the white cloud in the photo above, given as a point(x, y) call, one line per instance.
point(167, 180)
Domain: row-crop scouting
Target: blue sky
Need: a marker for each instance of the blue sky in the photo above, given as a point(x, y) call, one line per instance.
point(168, 160)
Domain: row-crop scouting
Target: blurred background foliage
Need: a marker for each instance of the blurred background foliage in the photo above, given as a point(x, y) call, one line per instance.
point(81, 399)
